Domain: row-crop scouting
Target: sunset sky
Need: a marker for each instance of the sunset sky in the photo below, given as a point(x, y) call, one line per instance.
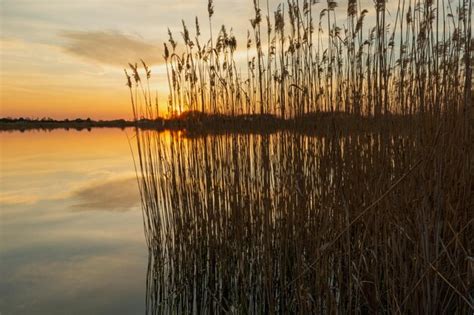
point(65, 59)
point(61, 58)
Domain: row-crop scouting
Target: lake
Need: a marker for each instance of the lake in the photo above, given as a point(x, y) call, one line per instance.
point(241, 223)
point(71, 228)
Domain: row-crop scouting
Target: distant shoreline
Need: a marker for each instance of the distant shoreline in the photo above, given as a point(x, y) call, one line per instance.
point(7, 124)
point(198, 123)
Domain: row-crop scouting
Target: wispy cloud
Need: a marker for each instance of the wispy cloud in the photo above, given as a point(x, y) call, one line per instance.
point(16, 199)
point(111, 47)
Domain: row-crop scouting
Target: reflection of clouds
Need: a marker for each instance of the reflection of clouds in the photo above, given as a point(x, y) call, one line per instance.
point(119, 194)
point(113, 48)
point(116, 193)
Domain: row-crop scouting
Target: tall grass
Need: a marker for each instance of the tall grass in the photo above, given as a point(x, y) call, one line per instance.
point(289, 223)
point(377, 222)
point(306, 57)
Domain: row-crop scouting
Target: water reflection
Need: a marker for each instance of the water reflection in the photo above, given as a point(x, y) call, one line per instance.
point(251, 224)
point(116, 194)
point(71, 232)
point(246, 224)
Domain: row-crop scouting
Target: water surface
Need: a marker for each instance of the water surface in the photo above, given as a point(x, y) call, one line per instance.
point(70, 227)
point(284, 223)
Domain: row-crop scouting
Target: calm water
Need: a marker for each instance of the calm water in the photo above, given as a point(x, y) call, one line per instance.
point(237, 223)
point(71, 228)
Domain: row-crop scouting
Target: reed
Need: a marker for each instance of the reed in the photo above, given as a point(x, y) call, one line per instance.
point(418, 61)
point(286, 222)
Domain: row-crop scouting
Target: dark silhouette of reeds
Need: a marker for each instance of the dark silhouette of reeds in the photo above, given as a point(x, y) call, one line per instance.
point(300, 61)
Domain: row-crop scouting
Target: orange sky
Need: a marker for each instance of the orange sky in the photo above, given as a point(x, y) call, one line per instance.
point(65, 59)
point(39, 80)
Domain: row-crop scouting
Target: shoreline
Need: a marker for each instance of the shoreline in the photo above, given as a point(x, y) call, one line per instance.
point(198, 123)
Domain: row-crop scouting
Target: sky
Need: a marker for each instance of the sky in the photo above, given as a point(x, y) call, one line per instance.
point(65, 59)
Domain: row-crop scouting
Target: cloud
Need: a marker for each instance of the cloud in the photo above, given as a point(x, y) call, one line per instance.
point(111, 47)
point(13, 199)
point(119, 194)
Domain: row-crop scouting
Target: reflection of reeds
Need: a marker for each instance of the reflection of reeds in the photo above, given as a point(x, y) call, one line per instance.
point(286, 223)
point(417, 60)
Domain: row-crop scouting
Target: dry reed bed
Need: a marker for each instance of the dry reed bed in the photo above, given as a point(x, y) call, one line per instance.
point(287, 223)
